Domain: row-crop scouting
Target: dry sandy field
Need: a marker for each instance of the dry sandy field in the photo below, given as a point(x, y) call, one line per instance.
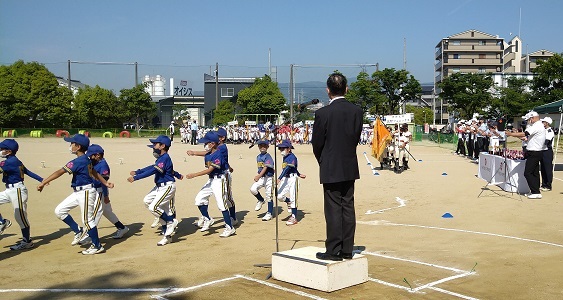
point(498, 245)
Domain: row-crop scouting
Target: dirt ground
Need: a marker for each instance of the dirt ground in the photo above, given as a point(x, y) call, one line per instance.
point(497, 246)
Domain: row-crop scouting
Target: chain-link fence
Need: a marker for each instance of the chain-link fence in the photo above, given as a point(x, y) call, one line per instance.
point(434, 138)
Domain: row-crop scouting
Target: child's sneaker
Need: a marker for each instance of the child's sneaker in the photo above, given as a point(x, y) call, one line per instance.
point(206, 224)
point(5, 225)
point(155, 223)
point(258, 205)
point(228, 231)
point(93, 250)
point(291, 221)
point(267, 217)
point(200, 221)
point(21, 245)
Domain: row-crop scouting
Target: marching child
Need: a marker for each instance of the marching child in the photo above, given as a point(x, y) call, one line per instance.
point(84, 195)
point(287, 181)
point(160, 200)
point(96, 155)
point(264, 179)
point(216, 185)
point(13, 170)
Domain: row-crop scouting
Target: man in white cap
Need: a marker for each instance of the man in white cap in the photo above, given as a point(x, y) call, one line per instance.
point(547, 161)
point(535, 135)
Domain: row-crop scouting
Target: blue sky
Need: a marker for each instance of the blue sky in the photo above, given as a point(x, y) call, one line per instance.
point(184, 39)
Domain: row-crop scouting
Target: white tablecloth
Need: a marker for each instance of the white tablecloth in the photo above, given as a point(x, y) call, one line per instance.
point(510, 178)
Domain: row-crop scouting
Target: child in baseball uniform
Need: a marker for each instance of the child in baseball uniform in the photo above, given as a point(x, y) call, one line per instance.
point(216, 185)
point(160, 200)
point(96, 154)
point(288, 183)
point(264, 179)
point(12, 170)
point(84, 195)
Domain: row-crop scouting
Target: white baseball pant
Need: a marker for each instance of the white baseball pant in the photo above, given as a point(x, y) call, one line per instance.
point(289, 186)
point(90, 207)
point(216, 186)
point(17, 195)
point(160, 200)
point(265, 182)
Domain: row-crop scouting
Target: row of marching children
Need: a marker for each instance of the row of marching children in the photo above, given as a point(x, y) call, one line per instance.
point(90, 174)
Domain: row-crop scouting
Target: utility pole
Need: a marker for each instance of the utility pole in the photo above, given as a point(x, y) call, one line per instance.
point(69, 86)
point(291, 94)
point(216, 85)
point(136, 74)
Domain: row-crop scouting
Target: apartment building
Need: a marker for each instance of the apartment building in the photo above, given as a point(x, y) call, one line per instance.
point(473, 51)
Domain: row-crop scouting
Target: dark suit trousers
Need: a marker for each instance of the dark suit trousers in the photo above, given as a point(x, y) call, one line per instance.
point(340, 216)
point(532, 170)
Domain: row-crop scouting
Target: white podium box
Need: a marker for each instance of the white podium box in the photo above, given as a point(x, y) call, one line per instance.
point(301, 267)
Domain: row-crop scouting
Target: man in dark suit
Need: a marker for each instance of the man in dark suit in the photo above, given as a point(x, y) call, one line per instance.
point(336, 134)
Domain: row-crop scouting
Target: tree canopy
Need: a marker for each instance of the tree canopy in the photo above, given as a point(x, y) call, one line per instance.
point(548, 82)
point(262, 97)
point(467, 93)
point(30, 95)
point(137, 105)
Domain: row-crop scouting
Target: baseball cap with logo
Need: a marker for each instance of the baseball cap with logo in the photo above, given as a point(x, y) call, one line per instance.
point(526, 117)
point(548, 120)
point(263, 142)
point(209, 137)
point(10, 144)
point(162, 139)
point(79, 139)
point(94, 149)
point(221, 132)
point(533, 114)
point(285, 144)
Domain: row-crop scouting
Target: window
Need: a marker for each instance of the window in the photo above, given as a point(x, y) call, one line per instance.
point(227, 92)
point(482, 56)
point(456, 70)
point(457, 56)
point(482, 70)
point(456, 43)
point(482, 43)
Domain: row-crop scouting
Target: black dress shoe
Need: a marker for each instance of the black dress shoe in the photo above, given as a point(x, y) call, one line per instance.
point(346, 255)
point(328, 256)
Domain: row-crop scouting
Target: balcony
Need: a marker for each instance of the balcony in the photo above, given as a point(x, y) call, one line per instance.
point(474, 61)
point(438, 65)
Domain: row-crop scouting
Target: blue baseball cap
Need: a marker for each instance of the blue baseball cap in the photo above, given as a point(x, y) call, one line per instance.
point(10, 144)
point(285, 144)
point(79, 139)
point(162, 139)
point(210, 137)
point(221, 132)
point(94, 149)
point(263, 142)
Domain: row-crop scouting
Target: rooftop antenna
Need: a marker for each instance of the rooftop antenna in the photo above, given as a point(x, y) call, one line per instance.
point(404, 53)
point(520, 23)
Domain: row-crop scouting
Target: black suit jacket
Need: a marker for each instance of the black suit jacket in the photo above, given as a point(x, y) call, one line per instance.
point(336, 134)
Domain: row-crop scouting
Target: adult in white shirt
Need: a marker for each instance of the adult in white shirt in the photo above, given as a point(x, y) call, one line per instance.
point(535, 135)
point(547, 161)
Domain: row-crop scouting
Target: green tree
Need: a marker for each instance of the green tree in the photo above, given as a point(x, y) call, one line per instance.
point(30, 93)
point(96, 107)
point(224, 113)
point(548, 80)
point(513, 100)
point(262, 97)
point(421, 114)
point(366, 93)
point(137, 106)
point(396, 86)
point(467, 93)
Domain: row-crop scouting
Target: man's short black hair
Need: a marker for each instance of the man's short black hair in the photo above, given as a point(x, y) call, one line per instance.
point(336, 84)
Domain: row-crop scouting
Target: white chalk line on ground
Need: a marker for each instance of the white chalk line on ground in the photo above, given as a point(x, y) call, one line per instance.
point(451, 293)
point(430, 285)
point(164, 292)
point(376, 223)
point(399, 200)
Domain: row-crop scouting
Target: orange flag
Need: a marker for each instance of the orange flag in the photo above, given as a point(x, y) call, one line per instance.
point(381, 136)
